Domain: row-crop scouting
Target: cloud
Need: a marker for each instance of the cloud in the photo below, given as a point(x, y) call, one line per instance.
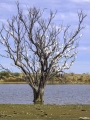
point(6, 6)
point(80, 1)
point(66, 17)
point(3, 20)
point(84, 48)
point(80, 67)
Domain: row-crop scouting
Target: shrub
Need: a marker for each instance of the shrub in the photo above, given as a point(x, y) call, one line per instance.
point(4, 74)
point(16, 74)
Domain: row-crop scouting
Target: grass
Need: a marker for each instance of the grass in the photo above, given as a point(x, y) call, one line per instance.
point(71, 78)
point(43, 112)
point(2, 82)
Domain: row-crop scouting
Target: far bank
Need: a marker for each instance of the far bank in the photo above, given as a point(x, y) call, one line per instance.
point(70, 78)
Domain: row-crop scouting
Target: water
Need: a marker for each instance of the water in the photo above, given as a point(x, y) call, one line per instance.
point(54, 94)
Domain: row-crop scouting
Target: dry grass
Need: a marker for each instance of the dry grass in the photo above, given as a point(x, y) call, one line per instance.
point(72, 79)
point(65, 79)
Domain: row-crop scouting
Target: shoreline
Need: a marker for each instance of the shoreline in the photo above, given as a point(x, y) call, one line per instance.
point(13, 83)
point(78, 83)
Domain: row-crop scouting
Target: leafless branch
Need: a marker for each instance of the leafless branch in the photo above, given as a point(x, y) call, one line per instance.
point(33, 44)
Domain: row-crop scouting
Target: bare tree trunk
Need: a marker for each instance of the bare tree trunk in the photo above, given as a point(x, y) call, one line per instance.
point(38, 96)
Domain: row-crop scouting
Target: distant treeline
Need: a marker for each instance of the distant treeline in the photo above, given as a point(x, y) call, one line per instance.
point(66, 78)
point(7, 74)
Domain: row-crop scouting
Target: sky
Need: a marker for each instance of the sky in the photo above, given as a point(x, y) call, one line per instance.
point(66, 13)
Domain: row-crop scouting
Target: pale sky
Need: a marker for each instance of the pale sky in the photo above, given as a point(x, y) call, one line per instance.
point(67, 13)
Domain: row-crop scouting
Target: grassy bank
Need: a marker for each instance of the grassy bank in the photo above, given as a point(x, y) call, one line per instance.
point(70, 78)
point(43, 112)
point(12, 82)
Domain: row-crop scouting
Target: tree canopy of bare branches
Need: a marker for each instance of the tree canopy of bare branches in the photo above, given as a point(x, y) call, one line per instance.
point(33, 44)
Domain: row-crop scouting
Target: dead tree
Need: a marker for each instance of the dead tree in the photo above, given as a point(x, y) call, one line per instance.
point(33, 44)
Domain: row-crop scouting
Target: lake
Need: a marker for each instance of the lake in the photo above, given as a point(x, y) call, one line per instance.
point(54, 94)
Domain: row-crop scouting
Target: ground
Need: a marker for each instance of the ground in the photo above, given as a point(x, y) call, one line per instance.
point(43, 112)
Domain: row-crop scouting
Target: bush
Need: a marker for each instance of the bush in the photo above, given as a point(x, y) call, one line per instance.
point(11, 79)
point(16, 74)
point(4, 74)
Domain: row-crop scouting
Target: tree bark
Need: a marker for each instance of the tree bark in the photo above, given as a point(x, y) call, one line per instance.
point(38, 96)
